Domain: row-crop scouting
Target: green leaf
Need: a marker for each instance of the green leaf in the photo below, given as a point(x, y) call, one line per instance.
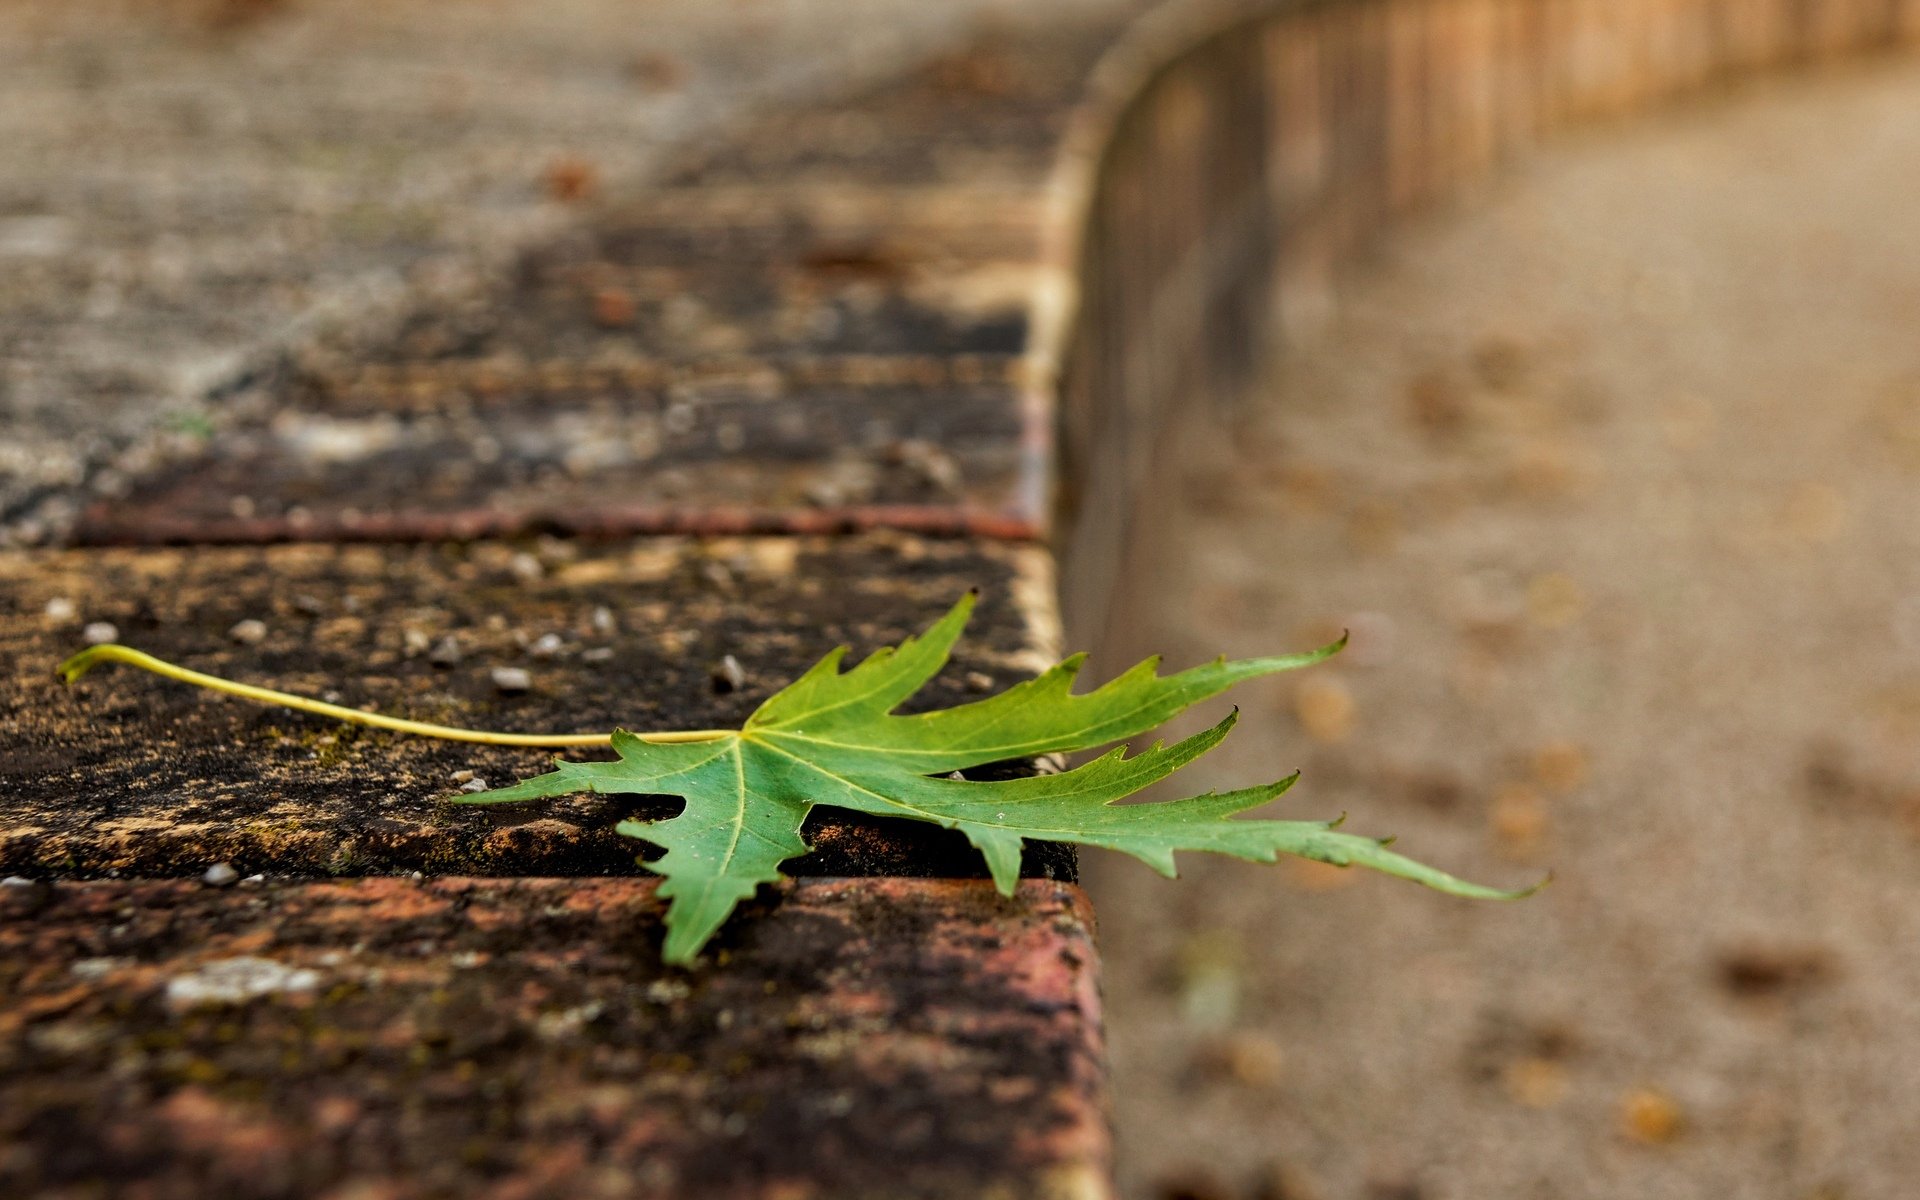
point(831, 737)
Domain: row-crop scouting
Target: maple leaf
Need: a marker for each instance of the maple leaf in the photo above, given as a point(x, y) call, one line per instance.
point(832, 737)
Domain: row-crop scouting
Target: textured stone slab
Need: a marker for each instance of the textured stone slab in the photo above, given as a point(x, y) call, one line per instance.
point(132, 774)
point(844, 1039)
point(801, 355)
point(608, 455)
point(189, 184)
point(819, 322)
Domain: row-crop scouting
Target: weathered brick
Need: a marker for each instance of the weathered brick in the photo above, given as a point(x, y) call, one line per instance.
point(841, 1040)
point(129, 773)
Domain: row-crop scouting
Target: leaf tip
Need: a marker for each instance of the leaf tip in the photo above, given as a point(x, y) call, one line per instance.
point(1523, 893)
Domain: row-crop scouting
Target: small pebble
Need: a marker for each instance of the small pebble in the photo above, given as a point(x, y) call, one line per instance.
point(556, 552)
point(570, 178)
point(16, 881)
point(598, 654)
point(603, 622)
point(220, 875)
point(1766, 970)
point(612, 307)
point(979, 681)
point(1650, 1116)
point(1325, 708)
point(446, 653)
point(61, 610)
point(249, 632)
point(526, 568)
point(309, 606)
point(415, 641)
point(668, 991)
point(728, 675)
point(462, 776)
point(1561, 766)
point(254, 880)
point(1536, 1082)
point(475, 784)
point(99, 633)
point(546, 646)
point(1518, 820)
point(511, 680)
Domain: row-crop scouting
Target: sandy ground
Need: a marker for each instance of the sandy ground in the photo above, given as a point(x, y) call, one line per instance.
point(188, 185)
point(1610, 468)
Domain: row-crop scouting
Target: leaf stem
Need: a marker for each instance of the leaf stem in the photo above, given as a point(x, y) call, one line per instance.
point(72, 669)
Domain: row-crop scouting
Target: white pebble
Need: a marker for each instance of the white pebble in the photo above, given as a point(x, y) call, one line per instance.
point(546, 646)
point(476, 784)
point(220, 875)
point(99, 633)
point(236, 980)
point(728, 675)
point(526, 568)
point(510, 680)
point(249, 632)
point(62, 610)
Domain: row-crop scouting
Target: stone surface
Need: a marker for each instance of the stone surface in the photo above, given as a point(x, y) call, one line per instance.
point(129, 773)
point(844, 1040)
point(817, 321)
point(193, 186)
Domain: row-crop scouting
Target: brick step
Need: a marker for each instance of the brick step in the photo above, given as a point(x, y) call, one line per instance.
point(140, 776)
point(905, 221)
point(381, 1038)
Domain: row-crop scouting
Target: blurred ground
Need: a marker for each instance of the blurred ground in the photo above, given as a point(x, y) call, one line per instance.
point(188, 185)
point(1611, 470)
